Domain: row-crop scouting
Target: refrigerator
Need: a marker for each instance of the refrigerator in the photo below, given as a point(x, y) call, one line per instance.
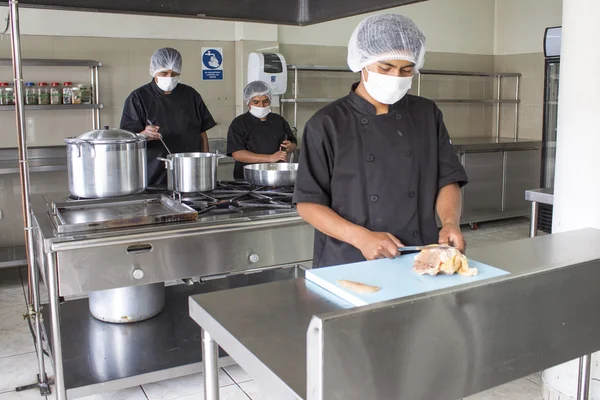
point(552, 38)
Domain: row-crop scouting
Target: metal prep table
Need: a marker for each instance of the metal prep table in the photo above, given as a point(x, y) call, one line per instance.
point(300, 342)
point(537, 197)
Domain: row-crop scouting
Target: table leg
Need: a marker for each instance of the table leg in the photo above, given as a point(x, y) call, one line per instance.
point(583, 382)
point(211, 367)
point(59, 377)
point(533, 223)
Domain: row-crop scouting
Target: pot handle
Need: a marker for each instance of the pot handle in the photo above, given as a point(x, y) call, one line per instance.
point(80, 145)
point(168, 163)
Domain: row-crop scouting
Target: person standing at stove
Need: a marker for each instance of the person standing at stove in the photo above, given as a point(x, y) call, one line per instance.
point(377, 164)
point(258, 136)
point(164, 107)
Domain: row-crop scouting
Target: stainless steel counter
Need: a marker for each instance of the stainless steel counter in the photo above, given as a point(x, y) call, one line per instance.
point(543, 196)
point(489, 143)
point(536, 197)
point(445, 344)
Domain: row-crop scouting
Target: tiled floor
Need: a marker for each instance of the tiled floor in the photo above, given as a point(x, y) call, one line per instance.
point(18, 362)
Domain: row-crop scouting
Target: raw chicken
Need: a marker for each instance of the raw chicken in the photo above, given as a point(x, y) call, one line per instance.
point(446, 260)
point(358, 287)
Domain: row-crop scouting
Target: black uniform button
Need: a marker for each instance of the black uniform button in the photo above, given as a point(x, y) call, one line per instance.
point(411, 194)
point(364, 121)
point(374, 198)
point(398, 116)
point(415, 234)
point(370, 157)
point(407, 153)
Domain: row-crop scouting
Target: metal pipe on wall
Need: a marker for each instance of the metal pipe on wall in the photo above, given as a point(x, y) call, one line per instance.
point(32, 275)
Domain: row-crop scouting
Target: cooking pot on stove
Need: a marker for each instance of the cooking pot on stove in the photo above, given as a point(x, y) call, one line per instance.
point(106, 163)
point(191, 172)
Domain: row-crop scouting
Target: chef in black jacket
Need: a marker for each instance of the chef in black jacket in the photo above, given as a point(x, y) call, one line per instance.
point(258, 136)
point(168, 108)
point(377, 164)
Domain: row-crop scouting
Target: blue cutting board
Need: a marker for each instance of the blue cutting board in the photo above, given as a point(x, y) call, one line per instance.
point(395, 278)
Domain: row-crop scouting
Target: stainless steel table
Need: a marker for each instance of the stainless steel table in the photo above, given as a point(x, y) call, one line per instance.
point(537, 196)
point(301, 342)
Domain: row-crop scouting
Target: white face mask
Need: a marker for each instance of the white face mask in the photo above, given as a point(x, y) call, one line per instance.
point(260, 112)
point(387, 89)
point(167, 84)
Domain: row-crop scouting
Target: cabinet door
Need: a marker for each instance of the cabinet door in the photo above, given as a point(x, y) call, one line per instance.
point(522, 173)
point(482, 196)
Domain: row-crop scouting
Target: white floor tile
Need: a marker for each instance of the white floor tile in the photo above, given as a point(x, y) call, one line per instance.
point(15, 340)
point(17, 371)
point(521, 389)
point(226, 393)
point(536, 378)
point(11, 316)
point(33, 394)
point(255, 392)
point(12, 297)
point(135, 393)
point(237, 373)
point(171, 389)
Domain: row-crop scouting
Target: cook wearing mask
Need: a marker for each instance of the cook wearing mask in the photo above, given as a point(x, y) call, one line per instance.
point(164, 107)
point(377, 164)
point(258, 136)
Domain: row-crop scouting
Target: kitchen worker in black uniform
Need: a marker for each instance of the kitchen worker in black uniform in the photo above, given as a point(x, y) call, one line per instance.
point(164, 107)
point(377, 164)
point(258, 136)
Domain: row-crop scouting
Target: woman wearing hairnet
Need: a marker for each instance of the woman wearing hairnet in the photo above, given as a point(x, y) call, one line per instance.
point(377, 164)
point(258, 135)
point(164, 107)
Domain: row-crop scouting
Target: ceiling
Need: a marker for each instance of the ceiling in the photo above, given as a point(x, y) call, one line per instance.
point(284, 12)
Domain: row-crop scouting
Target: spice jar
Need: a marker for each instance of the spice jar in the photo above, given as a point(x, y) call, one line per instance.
point(9, 94)
point(43, 93)
point(67, 93)
point(76, 95)
point(86, 93)
point(31, 94)
point(55, 93)
point(3, 86)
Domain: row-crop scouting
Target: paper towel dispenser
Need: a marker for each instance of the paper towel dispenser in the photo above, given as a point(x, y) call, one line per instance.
point(270, 68)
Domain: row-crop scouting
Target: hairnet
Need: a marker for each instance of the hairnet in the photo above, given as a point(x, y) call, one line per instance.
point(165, 59)
point(256, 88)
point(386, 37)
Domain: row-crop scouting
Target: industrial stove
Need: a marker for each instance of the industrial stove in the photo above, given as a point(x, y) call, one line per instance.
point(236, 235)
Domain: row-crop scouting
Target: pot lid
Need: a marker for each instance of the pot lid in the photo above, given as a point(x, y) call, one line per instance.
point(108, 136)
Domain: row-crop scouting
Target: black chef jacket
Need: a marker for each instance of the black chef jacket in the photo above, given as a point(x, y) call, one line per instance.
point(382, 172)
point(247, 132)
point(181, 116)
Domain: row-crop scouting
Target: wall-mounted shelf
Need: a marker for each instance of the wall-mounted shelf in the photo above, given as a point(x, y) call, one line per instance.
point(497, 100)
point(56, 107)
point(34, 62)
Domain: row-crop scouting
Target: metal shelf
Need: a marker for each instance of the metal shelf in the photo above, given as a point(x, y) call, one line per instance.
point(476, 101)
point(307, 100)
point(12, 256)
point(7, 62)
point(324, 68)
point(56, 107)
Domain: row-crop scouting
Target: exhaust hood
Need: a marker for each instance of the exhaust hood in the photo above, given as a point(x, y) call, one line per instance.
point(284, 12)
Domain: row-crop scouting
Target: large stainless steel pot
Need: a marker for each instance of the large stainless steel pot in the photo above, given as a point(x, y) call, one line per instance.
point(106, 163)
point(129, 304)
point(191, 172)
point(279, 174)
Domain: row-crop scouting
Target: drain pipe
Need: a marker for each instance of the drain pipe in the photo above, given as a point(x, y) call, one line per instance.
point(32, 272)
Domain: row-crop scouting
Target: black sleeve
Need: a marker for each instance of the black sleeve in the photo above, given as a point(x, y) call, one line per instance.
point(313, 182)
point(450, 170)
point(134, 116)
point(206, 118)
point(236, 137)
point(289, 132)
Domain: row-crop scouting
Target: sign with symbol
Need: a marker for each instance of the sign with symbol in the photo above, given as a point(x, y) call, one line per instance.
point(212, 64)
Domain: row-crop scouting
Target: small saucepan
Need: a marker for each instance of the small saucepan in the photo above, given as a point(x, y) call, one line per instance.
point(271, 174)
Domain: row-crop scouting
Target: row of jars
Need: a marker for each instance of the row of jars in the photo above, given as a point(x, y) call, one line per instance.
point(44, 94)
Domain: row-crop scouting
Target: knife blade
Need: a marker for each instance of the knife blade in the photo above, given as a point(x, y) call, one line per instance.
point(419, 248)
